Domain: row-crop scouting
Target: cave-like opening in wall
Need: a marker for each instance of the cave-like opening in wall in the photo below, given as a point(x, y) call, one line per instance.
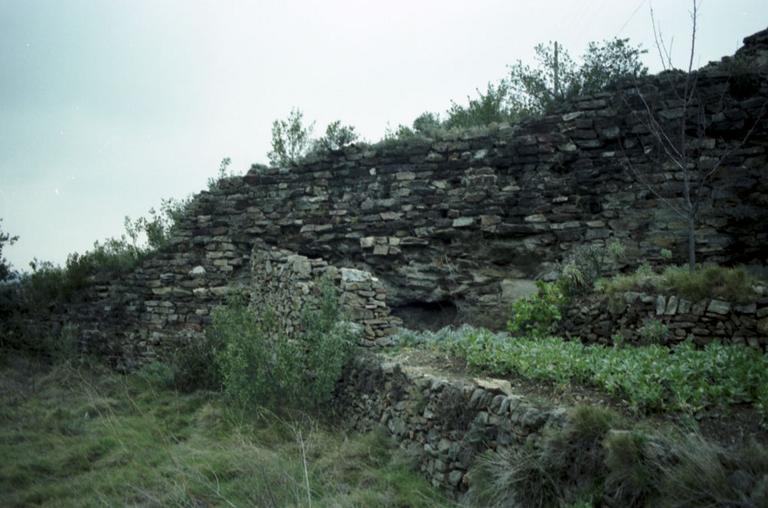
point(425, 315)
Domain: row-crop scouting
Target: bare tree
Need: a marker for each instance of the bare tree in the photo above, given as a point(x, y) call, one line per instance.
point(676, 135)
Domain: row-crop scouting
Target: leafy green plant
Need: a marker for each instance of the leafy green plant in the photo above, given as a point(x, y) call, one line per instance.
point(539, 314)
point(733, 284)
point(585, 264)
point(491, 106)
point(157, 229)
point(291, 140)
point(261, 365)
point(709, 281)
point(6, 271)
point(223, 174)
point(193, 361)
point(336, 137)
point(533, 90)
point(650, 378)
point(653, 331)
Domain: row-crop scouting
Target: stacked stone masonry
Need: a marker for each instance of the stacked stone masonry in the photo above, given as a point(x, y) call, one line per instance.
point(282, 281)
point(444, 422)
point(470, 218)
point(598, 319)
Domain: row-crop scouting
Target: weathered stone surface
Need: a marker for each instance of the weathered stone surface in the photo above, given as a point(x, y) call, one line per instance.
point(596, 318)
point(445, 423)
point(514, 289)
point(719, 307)
point(488, 202)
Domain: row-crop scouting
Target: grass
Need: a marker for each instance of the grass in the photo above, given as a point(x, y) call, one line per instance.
point(599, 459)
point(76, 436)
point(707, 281)
point(650, 378)
point(565, 467)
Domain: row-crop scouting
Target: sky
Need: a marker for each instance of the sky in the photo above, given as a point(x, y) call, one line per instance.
point(108, 106)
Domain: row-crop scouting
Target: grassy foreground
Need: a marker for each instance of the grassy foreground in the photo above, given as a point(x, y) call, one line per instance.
point(75, 436)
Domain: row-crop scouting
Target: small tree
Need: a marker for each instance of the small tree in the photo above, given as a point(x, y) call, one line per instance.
point(531, 90)
point(493, 106)
point(157, 229)
point(556, 77)
point(222, 174)
point(6, 270)
point(291, 139)
point(337, 136)
point(427, 123)
point(676, 136)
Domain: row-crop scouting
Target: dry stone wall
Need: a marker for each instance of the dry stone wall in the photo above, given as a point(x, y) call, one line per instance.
point(597, 319)
point(463, 222)
point(282, 281)
point(445, 422)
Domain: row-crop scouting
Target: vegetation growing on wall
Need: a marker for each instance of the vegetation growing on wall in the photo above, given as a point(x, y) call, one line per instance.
point(292, 140)
point(533, 90)
point(733, 284)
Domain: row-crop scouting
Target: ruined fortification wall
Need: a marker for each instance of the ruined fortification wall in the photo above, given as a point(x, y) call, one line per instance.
point(461, 224)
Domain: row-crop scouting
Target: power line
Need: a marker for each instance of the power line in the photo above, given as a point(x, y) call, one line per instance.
point(631, 16)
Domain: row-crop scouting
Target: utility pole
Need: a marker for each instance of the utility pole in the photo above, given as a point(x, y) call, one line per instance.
point(557, 76)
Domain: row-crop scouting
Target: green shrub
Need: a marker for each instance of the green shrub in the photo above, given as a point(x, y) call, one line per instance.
point(65, 346)
point(261, 364)
point(707, 281)
point(618, 340)
point(158, 373)
point(539, 314)
point(585, 264)
point(337, 136)
point(6, 270)
point(653, 331)
point(224, 174)
point(193, 362)
point(21, 335)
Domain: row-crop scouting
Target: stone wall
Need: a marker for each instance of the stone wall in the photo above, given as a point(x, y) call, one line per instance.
point(465, 221)
point(444, 422)
point(283, 280)
point(598, 318)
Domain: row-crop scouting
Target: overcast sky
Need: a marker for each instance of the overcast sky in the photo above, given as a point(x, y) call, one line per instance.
point(108, 106)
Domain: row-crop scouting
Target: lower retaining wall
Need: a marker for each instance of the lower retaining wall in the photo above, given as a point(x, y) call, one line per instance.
point(597, 319)
point(444, 422)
